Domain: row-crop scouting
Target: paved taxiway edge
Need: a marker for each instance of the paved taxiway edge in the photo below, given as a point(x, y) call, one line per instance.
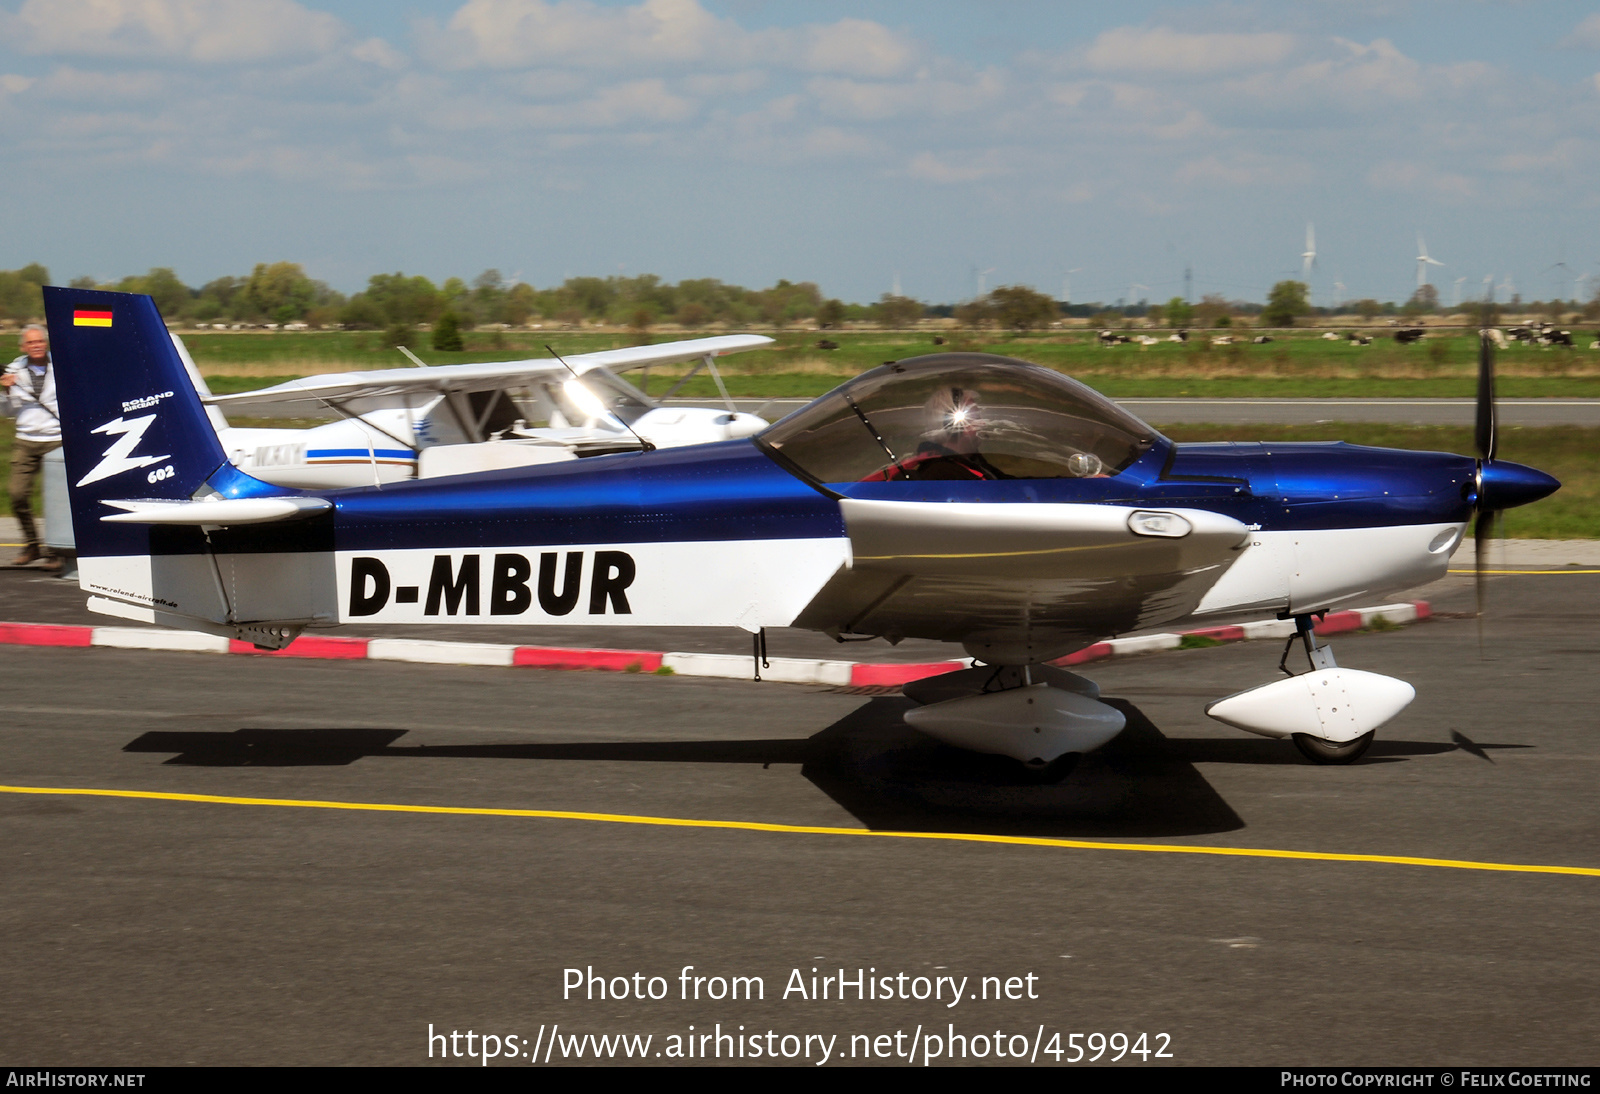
point(785, 670)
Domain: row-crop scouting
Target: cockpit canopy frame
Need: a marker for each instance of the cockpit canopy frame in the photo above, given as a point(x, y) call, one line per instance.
point(959, 416)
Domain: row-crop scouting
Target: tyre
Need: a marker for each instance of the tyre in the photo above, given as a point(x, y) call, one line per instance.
point(1053, 772)
point(1320, 751)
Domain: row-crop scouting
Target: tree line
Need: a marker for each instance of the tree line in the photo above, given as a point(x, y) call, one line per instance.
point(281, 293)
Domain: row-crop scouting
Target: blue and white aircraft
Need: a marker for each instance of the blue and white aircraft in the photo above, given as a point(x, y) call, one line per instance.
point(962, 497)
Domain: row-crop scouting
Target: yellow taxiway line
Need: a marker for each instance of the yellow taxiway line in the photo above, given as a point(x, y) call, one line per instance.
point(1491, 573)
point(814, 830)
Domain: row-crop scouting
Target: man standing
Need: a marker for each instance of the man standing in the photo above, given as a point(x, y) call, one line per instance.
point(31, 387)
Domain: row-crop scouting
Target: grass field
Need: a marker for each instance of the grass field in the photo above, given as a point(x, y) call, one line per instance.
point(1570, 453)
point(1296, 364)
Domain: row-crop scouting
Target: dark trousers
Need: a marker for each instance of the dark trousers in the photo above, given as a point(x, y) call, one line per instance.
point(27, 458)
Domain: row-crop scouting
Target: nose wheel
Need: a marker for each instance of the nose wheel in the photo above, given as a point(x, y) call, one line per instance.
point(1321, 751)
point(1053, 772)
point(1330, 713)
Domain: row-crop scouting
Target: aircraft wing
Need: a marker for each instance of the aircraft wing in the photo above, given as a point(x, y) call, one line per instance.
point(489, 376)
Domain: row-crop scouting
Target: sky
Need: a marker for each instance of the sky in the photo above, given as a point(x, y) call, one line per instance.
point(1094, 151)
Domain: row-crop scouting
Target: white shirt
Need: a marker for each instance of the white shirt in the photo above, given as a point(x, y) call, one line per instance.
point(33, 401)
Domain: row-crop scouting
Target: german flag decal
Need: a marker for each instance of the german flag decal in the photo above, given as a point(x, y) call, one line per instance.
point(91, 319)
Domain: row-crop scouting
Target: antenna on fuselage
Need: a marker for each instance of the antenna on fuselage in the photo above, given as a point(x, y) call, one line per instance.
point(646, 445)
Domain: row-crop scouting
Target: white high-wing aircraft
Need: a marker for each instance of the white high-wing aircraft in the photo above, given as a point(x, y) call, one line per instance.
point(433, 420)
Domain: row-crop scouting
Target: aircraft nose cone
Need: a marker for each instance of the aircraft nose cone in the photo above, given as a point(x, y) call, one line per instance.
point(1505, 485)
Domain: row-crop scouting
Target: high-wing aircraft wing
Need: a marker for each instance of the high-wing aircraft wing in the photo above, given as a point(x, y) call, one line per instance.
point(433, 380)
point(435, 420)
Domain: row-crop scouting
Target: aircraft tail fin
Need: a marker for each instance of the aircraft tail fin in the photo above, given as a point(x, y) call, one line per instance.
point(154, 498)
point(132, 425)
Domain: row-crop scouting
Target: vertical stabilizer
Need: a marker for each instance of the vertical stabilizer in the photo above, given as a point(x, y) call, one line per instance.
point(135, 433)
point(131, 423)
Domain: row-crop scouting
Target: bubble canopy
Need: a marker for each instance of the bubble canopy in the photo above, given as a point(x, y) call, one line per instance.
point(959, 416)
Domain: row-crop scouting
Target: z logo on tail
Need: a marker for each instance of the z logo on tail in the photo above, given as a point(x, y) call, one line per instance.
point(118, 458)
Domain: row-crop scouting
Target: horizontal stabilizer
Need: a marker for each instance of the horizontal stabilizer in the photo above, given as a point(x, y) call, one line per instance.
point(219, 511)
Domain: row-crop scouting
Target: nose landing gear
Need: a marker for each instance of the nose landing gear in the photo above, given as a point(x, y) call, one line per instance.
point(1330, 713)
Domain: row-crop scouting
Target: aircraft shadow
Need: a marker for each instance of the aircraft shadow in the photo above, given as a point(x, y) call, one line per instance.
point(884, 773)
point(892, 777)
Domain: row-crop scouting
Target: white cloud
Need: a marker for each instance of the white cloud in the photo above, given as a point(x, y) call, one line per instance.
point(657, 34)
point(76, 84)
point(545, 83)
point(1124, 110)
point(1421, 178)
point(15, 85)
point(925, 97)
point(1374, 77)
point(1244, 169)
point(317, 166)
point(1564, 155)
point(207, 31)
point(710, 84)
point(828, 142)
point(853, 46)
point(1167, 51)
point(1585, 34)
point(516, 33)
point(953, 169)
point(375, 51)
point(645, 101)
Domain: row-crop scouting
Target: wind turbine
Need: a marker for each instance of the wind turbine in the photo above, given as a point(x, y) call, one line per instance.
point(1488, 288)
point(1066, 284)
point(1133, 296)
point(1456, 303)
point(982, 275)
point(1308, 257)
point(1424, 260)
point(1558, 266)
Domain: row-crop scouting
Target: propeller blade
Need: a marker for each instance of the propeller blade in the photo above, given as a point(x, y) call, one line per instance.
point(1484, 434)
point(1482, 529)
